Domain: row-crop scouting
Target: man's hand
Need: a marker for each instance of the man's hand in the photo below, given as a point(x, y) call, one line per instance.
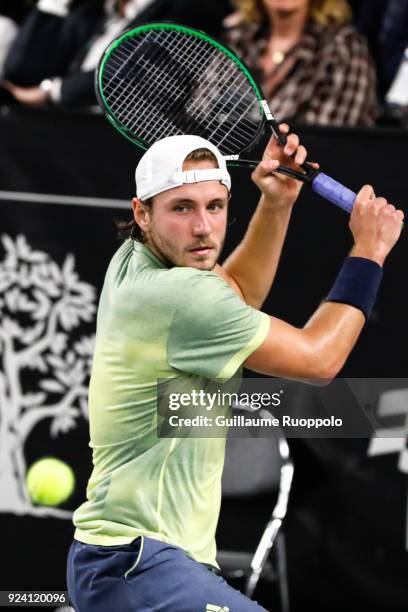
point(254, 262)
point(30, 96)
point(280, 191)
point(376, 226)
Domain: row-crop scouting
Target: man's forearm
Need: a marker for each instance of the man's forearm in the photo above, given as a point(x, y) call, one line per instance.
point(254, 262)
point(332, 333)
point(319, 350)
point(316, 352)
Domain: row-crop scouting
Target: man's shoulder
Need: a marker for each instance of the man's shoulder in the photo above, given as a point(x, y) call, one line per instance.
point(198, 282)
point(136, 269)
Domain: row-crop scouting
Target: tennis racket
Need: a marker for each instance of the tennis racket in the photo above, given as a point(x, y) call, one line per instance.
point(163, 79)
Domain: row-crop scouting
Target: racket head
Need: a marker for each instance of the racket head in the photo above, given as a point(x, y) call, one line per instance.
point(163, 79)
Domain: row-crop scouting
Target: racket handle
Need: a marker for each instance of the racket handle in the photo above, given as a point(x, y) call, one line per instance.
point(334, 192)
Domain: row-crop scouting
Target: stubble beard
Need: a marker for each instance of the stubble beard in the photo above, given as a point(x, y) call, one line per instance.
point(169, 255)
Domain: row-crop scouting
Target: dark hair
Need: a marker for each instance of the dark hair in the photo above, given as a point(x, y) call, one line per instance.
point(130, 229)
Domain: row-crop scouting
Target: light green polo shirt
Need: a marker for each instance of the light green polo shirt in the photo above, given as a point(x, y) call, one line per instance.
point(154, 323)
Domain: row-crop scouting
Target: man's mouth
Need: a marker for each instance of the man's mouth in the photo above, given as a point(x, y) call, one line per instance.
point(201, 250)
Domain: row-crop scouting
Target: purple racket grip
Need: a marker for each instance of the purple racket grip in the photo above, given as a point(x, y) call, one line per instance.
point(334, 192)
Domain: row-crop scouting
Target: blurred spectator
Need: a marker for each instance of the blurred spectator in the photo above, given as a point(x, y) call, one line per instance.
point(16, 9)
point(396, 107)
point(385, 24)
point(11, 14)
point(312, 65)
point(54, 56)
point(8, 32)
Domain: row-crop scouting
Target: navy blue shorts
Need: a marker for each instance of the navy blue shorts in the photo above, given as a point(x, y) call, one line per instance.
point(147, 576)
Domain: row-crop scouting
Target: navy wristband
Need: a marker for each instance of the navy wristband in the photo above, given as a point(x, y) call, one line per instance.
point(357, 284)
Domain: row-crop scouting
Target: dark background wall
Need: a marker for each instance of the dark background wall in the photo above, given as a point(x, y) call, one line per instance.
point(347, 522)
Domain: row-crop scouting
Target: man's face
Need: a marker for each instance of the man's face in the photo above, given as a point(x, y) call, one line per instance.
point(186, 225)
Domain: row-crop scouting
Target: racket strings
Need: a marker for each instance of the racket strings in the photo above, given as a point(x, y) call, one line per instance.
point(175, 111)
point(121, 94)
point(167, 82)
point(222, 74)
point(234, 81)
point(218, 70)
point(144, 91)
point(155, 70)
point(194, 59)
point(177, 90)
point(234, 128)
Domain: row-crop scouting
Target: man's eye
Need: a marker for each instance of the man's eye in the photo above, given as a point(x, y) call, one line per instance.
point(180, 208)
point(215, 206)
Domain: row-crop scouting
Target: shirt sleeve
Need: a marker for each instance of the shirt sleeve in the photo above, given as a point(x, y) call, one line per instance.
point(213, 331)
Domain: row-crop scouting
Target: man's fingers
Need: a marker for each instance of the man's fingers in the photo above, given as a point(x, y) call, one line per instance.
point(391, 212)
point(365, 193)
point(268, 166)
point(371, 204)
point(273, 141)
point(292, 149)
point(378, 204)
point(284, 128)
point(265, 168)
point(301, 155)
point(291, 145)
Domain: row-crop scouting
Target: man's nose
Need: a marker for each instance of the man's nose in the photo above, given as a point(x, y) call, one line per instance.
point(201, 224)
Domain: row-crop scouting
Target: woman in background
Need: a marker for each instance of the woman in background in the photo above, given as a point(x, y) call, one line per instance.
point(311, 63)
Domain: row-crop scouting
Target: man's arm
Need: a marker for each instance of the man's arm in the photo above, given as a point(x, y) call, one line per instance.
point(316, 352)
point(319, 350)
point(253, 264)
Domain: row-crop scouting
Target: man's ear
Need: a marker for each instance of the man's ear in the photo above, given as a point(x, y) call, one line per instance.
point(141, 214)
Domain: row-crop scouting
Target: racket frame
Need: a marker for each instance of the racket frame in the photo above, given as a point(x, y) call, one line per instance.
point(267, 118)
point(266, 114)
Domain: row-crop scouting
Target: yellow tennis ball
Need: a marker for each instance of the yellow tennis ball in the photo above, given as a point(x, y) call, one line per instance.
point(50, 481)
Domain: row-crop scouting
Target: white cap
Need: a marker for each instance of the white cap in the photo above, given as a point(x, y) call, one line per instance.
point(161, 167)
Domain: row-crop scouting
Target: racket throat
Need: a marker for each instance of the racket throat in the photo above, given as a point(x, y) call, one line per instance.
point(273, 124)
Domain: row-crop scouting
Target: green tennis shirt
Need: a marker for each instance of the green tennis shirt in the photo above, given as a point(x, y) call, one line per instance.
point(154, 323)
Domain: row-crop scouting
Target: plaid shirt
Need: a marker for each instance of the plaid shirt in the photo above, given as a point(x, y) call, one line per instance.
point(327, 78)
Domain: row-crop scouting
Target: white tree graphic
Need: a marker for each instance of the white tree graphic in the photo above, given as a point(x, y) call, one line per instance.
point(45, 362)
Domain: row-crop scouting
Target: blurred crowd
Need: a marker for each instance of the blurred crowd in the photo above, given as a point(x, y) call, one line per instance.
point(321, 62)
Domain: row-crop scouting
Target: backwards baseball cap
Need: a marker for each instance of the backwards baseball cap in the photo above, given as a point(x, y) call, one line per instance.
point(161, 167)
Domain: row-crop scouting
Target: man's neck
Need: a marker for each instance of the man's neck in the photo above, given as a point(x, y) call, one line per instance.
point(158, 254)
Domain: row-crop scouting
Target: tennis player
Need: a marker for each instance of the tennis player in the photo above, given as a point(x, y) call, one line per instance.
point(144, 538)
